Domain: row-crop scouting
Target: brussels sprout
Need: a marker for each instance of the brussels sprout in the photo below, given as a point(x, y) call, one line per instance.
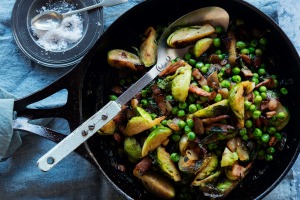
point(156, 184)
point(216, 109)
point(133, 149)
point(236, 100)
point(166, 164)
point(204, 173)
point(228, 157)
point(148, 49)
point(201, 46)
point(108, 129)
point(281, 123)
point(155, 139)
point(185, 36)
point(123, 59)
point(206, 179)
point(181, 83)
point(141, 123)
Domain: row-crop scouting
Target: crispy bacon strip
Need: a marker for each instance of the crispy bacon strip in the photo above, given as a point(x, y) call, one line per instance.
point(214, 119)
point(201, 92)
point(171, 68)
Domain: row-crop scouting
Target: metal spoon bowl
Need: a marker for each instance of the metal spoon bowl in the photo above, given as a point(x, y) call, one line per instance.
point(214, 15)
point(51, 19)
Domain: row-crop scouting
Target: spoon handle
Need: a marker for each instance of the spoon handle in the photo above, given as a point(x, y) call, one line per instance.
point(104, 3)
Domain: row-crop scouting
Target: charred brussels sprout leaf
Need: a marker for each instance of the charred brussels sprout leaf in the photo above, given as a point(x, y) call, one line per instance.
point(188, 35)
point(133, 149)
point(148, 49)
point(181, 83)
point(123, 59)
point(216, 109)
point(201, 46)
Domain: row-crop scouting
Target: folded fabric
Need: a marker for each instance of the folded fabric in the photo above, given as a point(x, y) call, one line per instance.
point(10, 140)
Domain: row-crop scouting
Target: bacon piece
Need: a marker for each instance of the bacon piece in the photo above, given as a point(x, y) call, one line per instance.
point(198, 126)
point(199, 77)
point(171, 68)
point(201, 92)
point(144, 165)
point(214, 119)
point(159, 99)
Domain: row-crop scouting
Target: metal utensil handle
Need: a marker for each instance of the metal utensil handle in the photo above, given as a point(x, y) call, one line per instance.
point(78, 136)
point(104, 3)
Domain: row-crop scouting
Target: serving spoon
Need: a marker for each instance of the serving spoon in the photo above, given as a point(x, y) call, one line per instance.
point(215, 16)
point(51, 19)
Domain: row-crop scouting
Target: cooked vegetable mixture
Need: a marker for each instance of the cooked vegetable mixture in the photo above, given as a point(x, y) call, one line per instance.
point(198, 127)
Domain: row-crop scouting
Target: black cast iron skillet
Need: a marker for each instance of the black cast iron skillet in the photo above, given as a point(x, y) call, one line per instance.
point(89, 83)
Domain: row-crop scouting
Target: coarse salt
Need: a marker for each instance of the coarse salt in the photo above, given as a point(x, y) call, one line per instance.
point(69, 32)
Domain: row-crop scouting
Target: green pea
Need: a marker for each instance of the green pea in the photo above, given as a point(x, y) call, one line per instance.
point(265, 138)
point(175, 137)
point(218, 29)
point(258, 99)
point(263, 95)
point(187, 56)
point(247, 104)
point(182, 105)
point(245, 51)
point(255, 80)
point(241, 45)
point(191, 136)
point(256, 114)
point(255, 75)
point(261, 71)
point(192, 62)
point(236, 70)
point(253, 43)
point(218, 52)
point(268, 157)
point(144, 102)
point(248, 123)
point(199, 65)
point(174, 110)
point(278, 136)
point(199, 106)
point(169, 98)
point(207, 65)
point(251, 50)
point(236, 78)
point(271, 130)
point(225, 84)
point(270, 150)
point(273, 76)
point(256, 93)
point(252, 108)
point(204, 70)
point(212, 146)
point(221, 56)
point(262, 89)
point(243, 131)
point(257, 132)
point(245, 137)
point(192, 108)
point(263, 41)
point(181, 113)
point(258, 52)
point(261, 153)
point(206, 88)
point(217, 42)
point(281, 115)
point(218, 98)
point(181, 124)
point(164, 122)
point(190, 123)
point(174, 157)
point(113, 97)
point(144, 93)
point(187, 129)
point(283, 91)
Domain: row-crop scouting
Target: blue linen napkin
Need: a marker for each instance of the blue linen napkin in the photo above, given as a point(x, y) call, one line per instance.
point(74, 177)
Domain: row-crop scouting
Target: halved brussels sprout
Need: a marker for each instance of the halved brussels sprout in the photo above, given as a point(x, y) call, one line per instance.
point(201, 46)
point(228, 157)
point(156, 184)
point(181, 83)
point(219, 108)
point(185, 36)
point(155, 139)
point(166, 164)
point(133, 149)
point(108, 129)
point(123, 59)
point(148, 49)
